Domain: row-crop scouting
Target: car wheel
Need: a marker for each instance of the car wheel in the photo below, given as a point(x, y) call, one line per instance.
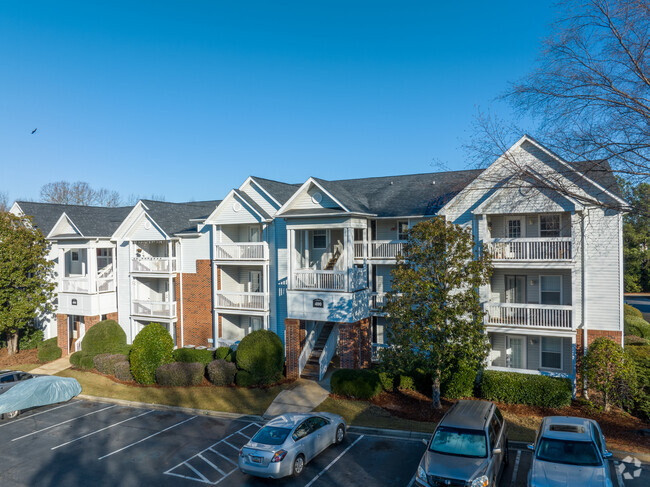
point(506, 455)
point(298, 465)
point(12, 414)
point(340, 434)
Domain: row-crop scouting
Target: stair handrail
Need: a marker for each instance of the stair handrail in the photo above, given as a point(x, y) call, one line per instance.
point(328, 352)
point(309, 347)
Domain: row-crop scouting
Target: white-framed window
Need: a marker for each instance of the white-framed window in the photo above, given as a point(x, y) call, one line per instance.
point(74, 256)
point(550, 290)
point(402, 230)
point(514, 228)
point(551, 353)
point(549, 225)
point(319, 239)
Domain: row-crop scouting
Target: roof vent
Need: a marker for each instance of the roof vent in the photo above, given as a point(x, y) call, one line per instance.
point(391, 183)
point(567, 428)
point(433, 182)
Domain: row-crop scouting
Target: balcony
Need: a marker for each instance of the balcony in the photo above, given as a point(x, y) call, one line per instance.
point(81, 285)
point(529, 315)
point(530, 249)
point(154, 309)
point(153, 265)
point(241, 251)
point(242, 301)
point(353, 279)
point(377, 300)
point(386, 249)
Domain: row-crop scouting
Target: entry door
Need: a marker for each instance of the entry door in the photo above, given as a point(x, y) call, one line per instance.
point(515, 289)
point(255, 282)
point(516, 352)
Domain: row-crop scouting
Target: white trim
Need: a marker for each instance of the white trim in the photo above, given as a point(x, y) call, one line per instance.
point(524, 349)
point(522, 225)
point(126, 226)
point(251, 179)
point(213, 218)
point(64, 215)
point(541, 349)
point(621, 278)
point(303, 188)
point(539, 224)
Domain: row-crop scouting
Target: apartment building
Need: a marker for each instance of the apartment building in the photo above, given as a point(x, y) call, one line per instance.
point(312, 261)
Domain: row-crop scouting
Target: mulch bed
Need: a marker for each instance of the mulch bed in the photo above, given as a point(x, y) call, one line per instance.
point(22, 357)
point(620, 429)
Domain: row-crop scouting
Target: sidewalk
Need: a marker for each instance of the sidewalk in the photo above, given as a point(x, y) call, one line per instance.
point(302, 398)
point(53, 367)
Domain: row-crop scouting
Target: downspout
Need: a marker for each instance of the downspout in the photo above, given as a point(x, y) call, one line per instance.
point(179, 256)
point(583, 266)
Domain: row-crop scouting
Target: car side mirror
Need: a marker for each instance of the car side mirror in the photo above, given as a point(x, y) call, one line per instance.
point(531, 447)
point(497, 451)
point(425, 442)
point(607, 454)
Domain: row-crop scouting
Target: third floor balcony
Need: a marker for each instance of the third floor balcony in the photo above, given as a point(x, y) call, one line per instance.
point(242, 251)
point(530, 249)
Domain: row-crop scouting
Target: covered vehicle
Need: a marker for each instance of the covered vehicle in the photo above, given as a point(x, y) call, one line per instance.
point(37, 391)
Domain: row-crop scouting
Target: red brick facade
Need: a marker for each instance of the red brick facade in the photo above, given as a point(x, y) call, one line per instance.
point(62, 332)
point(617, 336)
point(196, 305)
point(294, 339)
point(355, 349)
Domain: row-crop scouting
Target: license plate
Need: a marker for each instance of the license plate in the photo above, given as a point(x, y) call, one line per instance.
point(257, 459)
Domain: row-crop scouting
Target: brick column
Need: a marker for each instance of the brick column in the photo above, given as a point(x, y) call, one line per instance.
point(365, 343)
point(196, 308)
point(112, 316)
point(349, 345)
point(62, 332)
point(294, 337)
point(90, 321)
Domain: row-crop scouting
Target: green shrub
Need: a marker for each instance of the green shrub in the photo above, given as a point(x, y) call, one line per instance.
point(640, 355)
point(221, 372)
point(225, 353)
point(244, 379)
point(105, 362)
point(179, 374)
point(48, 350)
point(532, 390)
point(29, 339)
point(190, 355)
point(416, 380)
point(387, 381)
point(87, 362)
point(123, 371)
point(152, 347)
point(635, 340)
point(631, 311)
point(637, 327)
point(459, 382)
point(75, 359)
point(357, 383)
point(105, 337)
point(261, 354)
point(406, 382)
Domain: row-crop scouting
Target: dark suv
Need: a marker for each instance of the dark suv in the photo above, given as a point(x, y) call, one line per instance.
point(468, 447)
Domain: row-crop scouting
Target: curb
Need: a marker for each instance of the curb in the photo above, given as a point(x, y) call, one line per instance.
point(179, 409)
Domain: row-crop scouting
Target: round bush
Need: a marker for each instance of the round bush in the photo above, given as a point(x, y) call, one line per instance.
point(105, 362)
point(75, 359)
point(87, 362)
point(244, 379)
point(152, 347)
point(105, 337)
point(632, 311)
point(359, 384)
point(221, 353)
point(221, 372)
point(190, 355)
point(637, 327)
point(180, 374)
point(123, 371)
point(261, 354)
point(47, 354)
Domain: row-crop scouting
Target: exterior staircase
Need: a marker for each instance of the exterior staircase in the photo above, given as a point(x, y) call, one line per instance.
point(332, 262)
point(312, 368)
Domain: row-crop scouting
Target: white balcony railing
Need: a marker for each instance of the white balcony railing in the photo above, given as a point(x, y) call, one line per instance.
point(359, 250)
point(153, 264)
point(386, 249)
point(350, 280)
point(82, 285)
point(529, 315)
point(241, 251)
point(377, 300)
point(153, 309)
point(105, 284)
point(250, 301)
point(558, 248)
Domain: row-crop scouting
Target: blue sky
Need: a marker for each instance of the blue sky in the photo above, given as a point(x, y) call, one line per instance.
point(187, 98)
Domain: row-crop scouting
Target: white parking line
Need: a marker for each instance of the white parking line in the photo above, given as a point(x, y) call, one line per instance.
point(411, 482)
point(63, 422)
point(515, 469)
point(619, 477)
point(211, 464)
point(36, 414)
point(231, 445)
point(145, 439)
point(99, 430)
point(333, 462)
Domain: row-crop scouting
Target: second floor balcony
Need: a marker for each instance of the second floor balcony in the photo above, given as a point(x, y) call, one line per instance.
point(84, 285)
point(241, 251)
point(153, 265)
point(346, 280)
point(153, 309)
point(558, 317)
point(530, 249)
point(378, 249)
point(248, 301)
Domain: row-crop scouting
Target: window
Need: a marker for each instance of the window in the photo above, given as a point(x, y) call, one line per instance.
point(74, 256)
point(551, 290)
point(549, 225)
point(514, 228)
point(597, 437)
point(457, 441)
point(552, 352)
point(317, 423)
point(301, 431)
point(402, 230)
point(319, 239)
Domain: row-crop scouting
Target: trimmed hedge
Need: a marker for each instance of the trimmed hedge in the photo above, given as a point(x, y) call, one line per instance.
point(356, 383)
point(190, 355)
point(30, 338)
point(221, 372)
point(48, 350)
point(180, 374)
point(225, 353)
point(637, 326)
point(87, 362)
point(123, 371)
point(631, 311)
point(152, 347)
point(532, 390)
point(75, 359)
point(244, 379)
point(261, 354)
point(105, 362)
point(105, 337)
point(459, 383)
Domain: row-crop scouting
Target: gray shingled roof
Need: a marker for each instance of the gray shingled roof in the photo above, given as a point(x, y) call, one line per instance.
point(175, 218)
point(600, 172)
point(279, 190)
point(253, 204)
point(92, 221)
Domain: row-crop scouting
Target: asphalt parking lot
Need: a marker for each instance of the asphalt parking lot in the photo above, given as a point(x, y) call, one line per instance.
point(93, 443)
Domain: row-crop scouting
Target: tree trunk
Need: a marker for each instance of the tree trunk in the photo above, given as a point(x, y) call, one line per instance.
point(605, 402)
point(12, 343)
point(435, 395)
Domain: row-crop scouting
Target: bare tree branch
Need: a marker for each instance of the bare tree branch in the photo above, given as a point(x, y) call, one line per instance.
point(78, 193)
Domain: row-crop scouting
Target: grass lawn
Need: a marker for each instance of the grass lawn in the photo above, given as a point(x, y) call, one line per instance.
point(362, 413)
point(23, 367)
point(227, 399)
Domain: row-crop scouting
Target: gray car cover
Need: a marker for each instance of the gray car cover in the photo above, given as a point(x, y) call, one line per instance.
point(39, 391)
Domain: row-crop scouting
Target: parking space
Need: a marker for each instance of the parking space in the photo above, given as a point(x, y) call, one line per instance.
point(91, 443)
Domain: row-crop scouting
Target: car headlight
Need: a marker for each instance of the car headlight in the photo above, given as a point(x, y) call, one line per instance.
point(422, 475)
point(482, 481)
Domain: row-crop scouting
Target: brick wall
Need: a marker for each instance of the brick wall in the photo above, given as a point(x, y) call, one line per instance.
point(196, 306)
point(90, 321)
point(617, 336)
point(112, 316)
point(62, 332)
point(355, 348)
point(294, 338)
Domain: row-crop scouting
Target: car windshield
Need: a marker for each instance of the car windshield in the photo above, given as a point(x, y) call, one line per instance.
point(270, 435)
point(457, 441)
point(568, 452)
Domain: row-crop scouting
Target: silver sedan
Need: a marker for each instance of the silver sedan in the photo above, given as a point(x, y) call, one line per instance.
point(285, 444)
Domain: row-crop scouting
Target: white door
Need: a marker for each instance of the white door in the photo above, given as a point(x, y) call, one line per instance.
point(255, 282)
point(255, 323)
point(516, 352)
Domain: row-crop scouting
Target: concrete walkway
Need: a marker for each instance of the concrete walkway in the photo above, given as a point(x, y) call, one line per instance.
point(303, 397)
point(53, 367)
